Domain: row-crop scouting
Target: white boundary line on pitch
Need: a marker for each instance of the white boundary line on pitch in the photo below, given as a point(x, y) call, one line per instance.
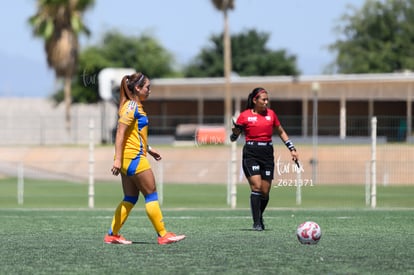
point(183, 209)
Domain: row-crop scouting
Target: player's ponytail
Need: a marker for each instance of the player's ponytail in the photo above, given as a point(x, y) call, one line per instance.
point(128, 83)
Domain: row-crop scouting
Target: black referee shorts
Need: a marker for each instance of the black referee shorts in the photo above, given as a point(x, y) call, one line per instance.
point(258, 159)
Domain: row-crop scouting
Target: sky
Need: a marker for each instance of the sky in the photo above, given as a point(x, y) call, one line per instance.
point(183, 27)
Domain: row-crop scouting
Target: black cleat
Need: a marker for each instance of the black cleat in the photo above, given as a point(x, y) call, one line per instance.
point(258, 227)
point(262, 223)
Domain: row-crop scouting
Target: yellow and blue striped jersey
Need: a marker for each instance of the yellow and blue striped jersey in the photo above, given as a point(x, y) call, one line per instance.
point(133, 115)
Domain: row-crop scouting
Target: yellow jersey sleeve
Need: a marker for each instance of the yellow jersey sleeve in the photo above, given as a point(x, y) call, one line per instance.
point(132, 114)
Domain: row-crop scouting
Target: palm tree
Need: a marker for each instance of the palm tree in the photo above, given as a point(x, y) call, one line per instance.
point(59, 22)
point(224, 6)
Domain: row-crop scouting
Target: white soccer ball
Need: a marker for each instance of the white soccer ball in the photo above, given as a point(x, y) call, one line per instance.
point(309, 233)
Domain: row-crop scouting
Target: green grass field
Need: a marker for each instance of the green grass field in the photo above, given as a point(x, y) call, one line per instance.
point(218, 242)
point(53, 232)
point(52, 194)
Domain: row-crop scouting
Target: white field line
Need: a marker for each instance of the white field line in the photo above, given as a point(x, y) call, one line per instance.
point(184, 209)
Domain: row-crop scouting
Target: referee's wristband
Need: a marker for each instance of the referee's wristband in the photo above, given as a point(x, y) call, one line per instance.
point(289, 145)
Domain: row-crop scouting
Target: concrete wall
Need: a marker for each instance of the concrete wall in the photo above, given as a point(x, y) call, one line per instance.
point(37, 121)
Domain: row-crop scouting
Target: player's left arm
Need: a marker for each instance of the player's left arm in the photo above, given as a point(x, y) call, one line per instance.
point(237, 129)
point(289, 144)
point(154, 153)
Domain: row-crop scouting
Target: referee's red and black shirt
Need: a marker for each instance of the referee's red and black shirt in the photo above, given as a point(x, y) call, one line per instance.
point(258, 127)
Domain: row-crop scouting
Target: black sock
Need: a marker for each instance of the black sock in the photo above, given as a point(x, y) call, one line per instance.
point(255, 206)
point(264, 202)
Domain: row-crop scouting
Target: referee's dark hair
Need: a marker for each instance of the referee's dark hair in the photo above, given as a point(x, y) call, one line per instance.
point(252, 95)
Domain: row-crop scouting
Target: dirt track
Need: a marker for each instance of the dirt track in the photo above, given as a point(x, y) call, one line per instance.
point(209, 164)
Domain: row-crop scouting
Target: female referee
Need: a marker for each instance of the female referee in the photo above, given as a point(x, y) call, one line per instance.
point(257, 122)
point(131, 161)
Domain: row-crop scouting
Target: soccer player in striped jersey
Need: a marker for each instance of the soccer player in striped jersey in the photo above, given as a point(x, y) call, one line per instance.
point(130, 160)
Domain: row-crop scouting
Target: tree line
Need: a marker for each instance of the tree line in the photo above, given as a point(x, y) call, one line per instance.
point(375, 38)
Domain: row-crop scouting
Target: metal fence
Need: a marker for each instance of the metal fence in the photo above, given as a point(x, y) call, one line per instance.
point(41, 144)
point(24, 129)
point(334, 162)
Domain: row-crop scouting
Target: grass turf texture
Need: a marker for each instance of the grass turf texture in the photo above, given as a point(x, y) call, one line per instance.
point(69, 239)
point(61, 194)
point(354, 241)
